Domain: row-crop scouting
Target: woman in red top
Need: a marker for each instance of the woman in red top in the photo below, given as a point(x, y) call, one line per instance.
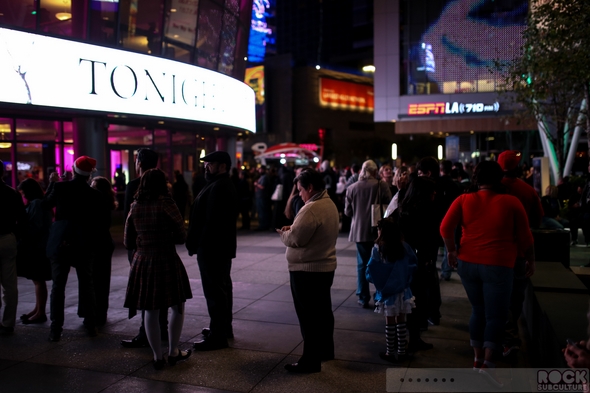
point(494, 228)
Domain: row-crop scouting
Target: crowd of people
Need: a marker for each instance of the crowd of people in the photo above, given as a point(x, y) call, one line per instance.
point(480, 221)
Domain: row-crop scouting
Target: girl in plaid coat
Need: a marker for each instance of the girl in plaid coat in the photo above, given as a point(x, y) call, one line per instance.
point(157, 278)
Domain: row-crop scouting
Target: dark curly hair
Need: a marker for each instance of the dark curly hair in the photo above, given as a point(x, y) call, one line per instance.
point(153, 185)
point(489, 173)
point(390, 240)
point(31, 189)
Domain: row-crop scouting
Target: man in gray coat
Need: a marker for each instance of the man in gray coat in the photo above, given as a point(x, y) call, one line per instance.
point(359, 198)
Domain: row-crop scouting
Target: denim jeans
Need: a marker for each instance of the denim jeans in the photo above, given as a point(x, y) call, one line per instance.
point(445, 268)
point(488, 289)
point(363, 254)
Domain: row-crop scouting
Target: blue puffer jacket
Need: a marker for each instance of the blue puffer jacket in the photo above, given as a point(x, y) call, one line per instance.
point(391, 278)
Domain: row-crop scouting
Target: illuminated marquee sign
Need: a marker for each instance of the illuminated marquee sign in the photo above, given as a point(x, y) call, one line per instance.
point(450, 108)
point(45, 71)
point(346, 95)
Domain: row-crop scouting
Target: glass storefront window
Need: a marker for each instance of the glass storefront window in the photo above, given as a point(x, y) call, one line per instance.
point(35, 160)
point(209, 26)
point(103, 21)
point(141, 25)
point(37, 130)
point(18, 13)
point(180, 30)
point(129, 135)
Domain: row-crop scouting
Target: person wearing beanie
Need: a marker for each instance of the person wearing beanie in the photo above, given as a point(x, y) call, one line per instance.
point(78, 209)
point(528, 197)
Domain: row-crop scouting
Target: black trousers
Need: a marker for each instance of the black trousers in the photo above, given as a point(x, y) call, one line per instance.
point(60, 269)
point(218, 291)
point(313, 305)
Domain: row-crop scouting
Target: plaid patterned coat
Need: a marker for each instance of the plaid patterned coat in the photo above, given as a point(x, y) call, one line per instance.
point(157, 278)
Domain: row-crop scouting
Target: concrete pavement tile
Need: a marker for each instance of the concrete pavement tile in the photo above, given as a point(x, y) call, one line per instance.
point(276, 263)
point(457, 307)
point(265, 336)
point(269, 311)
point(249, 290)
point(451, 327)
point(138, 385)
point(336, 377)
point(358, 319)
point(27, 342)
point(281, 294)
point(102, 353)
point(6, 363)
point(261, 276)
point(344, 282)
point(447, 352)
point(32, 377)
point(453, 288)
point(231, 369)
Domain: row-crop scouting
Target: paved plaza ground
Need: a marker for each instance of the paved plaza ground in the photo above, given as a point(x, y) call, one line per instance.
point(266, 331)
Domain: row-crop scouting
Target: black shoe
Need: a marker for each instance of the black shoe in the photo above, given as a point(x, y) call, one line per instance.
point(172, 360)
point(419, 345)
point(302, 369)
point(159, 364)
point(6, 331)
point(135, 342)
point(210, 345)
point(388, 357)
point(434, 321)
point(90, 330)
point(24, 317)
point(206, 332)
point(54, 335)
point(586, 265)
point(42, 319)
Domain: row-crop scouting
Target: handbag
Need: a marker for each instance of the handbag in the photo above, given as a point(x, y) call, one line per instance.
point(277, 195)
point(377, 209)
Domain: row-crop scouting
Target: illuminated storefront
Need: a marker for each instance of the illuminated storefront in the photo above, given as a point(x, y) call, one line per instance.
point(171, 86)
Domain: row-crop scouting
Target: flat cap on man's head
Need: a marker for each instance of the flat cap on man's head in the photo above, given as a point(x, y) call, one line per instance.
point(218, 156)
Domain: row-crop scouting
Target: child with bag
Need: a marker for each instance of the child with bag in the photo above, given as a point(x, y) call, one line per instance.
point(390, 269)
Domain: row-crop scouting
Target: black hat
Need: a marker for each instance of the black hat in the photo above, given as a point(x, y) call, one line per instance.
point(218, 156)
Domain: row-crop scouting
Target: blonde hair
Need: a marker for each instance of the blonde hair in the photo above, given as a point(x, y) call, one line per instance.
point(368, 170)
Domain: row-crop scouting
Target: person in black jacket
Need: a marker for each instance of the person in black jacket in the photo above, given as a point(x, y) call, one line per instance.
point(13, 218)
point(78, 209)
point(212, 237)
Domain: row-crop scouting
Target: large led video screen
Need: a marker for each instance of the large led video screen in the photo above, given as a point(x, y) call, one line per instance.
point(449, 46)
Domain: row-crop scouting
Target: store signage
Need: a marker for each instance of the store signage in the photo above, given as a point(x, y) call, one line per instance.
point(45, 71)
point(450, 108)
point(346, 95)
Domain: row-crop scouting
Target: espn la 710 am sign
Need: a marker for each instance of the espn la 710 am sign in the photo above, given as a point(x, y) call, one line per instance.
point(450, 108)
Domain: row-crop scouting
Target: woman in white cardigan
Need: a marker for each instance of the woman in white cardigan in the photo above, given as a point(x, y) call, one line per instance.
point(311, 256)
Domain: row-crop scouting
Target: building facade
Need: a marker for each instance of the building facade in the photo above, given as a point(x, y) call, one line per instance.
point(435, 74)
point(105, 78)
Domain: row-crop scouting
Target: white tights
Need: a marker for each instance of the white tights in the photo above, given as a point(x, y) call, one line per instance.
point(152, 330)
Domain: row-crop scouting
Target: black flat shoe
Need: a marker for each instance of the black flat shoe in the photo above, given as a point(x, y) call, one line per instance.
point(302, 369)
point(27, 321)
point(159, 364)
point(24, 317)
point(135, 342)
point(206, 332)
point(172, 360)
point(388, 357)
point(54, 336)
